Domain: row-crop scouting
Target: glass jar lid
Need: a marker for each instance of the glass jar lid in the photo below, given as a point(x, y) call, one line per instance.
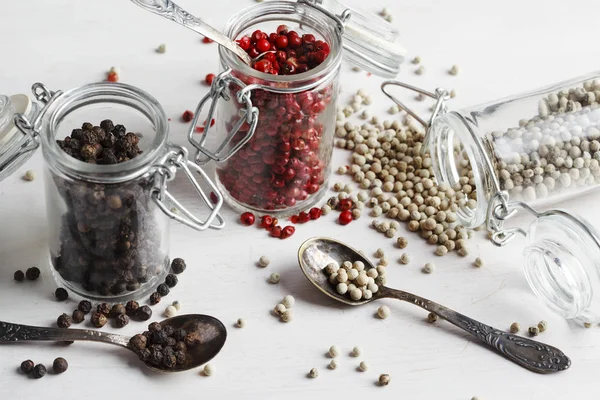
point(13, 144)
point(369, 41)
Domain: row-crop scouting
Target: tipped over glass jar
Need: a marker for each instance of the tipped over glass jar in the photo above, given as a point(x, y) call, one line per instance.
point(505, 157)
point(107, 197)
point(277, 119)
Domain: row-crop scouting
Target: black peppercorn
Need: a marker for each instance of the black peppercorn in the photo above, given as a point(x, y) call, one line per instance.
point(180, 346)
point(19, 276)
point(191, 339)
point(144, 354)
point(138, 342)
point(159, 337)
point(179, 334)
point(61, 294)
point(38, 371)
point(121, 320)
point(64, 321)
point(155, 298)
point(131, 308)
point(170, 341)
point(178, 265)
point(144, 313)
point(98, 320)
point(87, 126)
point(163, 289)
point(27, 366)
point(103, 308)
point(84, 306)
point(171, 280)
point(78, 316)
point(181, 357)
point(169, 361)
point(155, 327)
point(156, 357)
point(32, 273)
point(60, 365)
point(116, 310)
point(119, 131)
point(169, 329)
point(107, 125)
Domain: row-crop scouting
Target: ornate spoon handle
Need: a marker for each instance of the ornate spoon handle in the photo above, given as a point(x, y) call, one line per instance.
point(171, 11)
point(535, 356)
point(16, 333)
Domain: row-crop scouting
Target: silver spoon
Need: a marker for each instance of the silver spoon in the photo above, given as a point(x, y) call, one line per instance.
point(316, 253)
point(211, 333)
point(171, 11)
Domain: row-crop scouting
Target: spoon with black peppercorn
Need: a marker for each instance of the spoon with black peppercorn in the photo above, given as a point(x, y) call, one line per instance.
point(209, 336)
point(316, 254)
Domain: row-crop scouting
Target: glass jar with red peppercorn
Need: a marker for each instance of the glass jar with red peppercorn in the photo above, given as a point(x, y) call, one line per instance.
point(107, 197)
point(278, 116)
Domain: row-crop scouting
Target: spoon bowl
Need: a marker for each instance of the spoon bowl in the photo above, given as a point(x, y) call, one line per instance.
point(316, 253)
point(210, 331)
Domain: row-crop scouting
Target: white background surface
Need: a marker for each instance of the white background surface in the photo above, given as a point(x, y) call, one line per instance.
point(501, 48)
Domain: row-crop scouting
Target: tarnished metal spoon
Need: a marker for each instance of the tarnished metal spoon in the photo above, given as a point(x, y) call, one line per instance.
point(316, 253)
point(211, 333)
point(171, 11)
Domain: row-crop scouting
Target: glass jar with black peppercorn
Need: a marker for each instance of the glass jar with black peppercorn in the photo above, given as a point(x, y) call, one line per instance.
point(107, 197)
point(278, 117)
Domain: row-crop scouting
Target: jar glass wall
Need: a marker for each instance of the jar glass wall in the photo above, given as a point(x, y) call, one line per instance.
point(285, 165)
point(108, 238)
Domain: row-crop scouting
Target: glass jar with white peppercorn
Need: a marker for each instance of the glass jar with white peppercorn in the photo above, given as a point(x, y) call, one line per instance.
point(277, 119)
point(507, 156)
point(107, 198)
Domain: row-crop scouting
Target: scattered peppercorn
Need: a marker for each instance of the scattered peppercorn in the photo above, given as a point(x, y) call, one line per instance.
point(98, 319)
point(333, 364)
point(264, 261)
point(431, 317)
point(356, 351)
point(515, 327)
point(274, 278)
point(178, 266)
point(163, 289)
point(383, 312)
point(61, 294)
point(64, 321)
point(78, 316)
point(121, 320)
point(60, 365)
point(104, 308)
point(27, 366)
point(587, 325)
point(171, 280)
point(19, 276)
point(144, 313)
point(116, 310)
point(32, 273)
point(313, 373)
point(39, 371)
point(84, 306)
point(29, 175)
point(240, 323)
point(542, 326)
point(533, 331)
point(170, 311)
point(131, 308)
point(333, 352)
point(155, 298)
point(363, 366)
point(384, 380)
point(208, 370)
point(177, 305)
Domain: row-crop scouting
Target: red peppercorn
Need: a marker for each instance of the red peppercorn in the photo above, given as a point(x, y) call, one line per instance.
point(308, 38)
point(294, 219)
point(303, 217)
point(209, 79)
point(247, 219)
point(276, 231)
point(112, 77)
point(213, 198)
point(294, 41)
point(345, 205)
point(199, 129)
point(266, 221)
point(345, 217)
point(263, 45)
point(258, 35)
point(282, 29)
point(263, 65)
point(315, 213)
point(207, 40)
point(287, 232)
point(244, 42)
point(187, 116)
point(281, 42)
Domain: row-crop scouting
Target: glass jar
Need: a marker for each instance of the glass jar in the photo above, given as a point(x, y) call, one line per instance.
point(279, 129)
point(108, 224)
point(507, 156)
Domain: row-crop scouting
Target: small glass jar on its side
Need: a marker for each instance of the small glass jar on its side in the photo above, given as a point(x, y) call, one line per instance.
point(108, 224)
point(279, 129)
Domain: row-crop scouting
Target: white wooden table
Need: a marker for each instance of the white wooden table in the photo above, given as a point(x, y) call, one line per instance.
point(501, 48)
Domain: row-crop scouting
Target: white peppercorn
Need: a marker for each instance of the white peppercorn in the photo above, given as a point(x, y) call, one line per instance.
point(401, 242)
point(441, 251)
point(287, 316)
point(405, 258)
point(333, 364)
point(384, 380)
point(363, 366)
point(428, 268)
point(356, 351)
point(288, 301)
point(177, 305)
point(383, 312)
point(431, 317)
point(313, 373)
point(170, 311)
point(279, 309)
point(515, 327)
point(29, 175)
point(240, 323)
point(478, 262)
point(208, 370)
point(274, 278)
point(542, 326)
point(264, 261)
point(333, 352)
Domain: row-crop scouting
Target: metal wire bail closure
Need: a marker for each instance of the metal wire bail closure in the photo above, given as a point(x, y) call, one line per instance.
point(30, 141)
point(248, 115)
point(165, 171)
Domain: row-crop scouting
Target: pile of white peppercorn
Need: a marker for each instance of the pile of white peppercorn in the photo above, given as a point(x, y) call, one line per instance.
point(556, 150)
point(353, 280)
point(387, 160)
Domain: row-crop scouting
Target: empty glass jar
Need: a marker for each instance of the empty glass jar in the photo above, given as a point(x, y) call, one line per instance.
point(108, 224)
point(504, 157)
point(278, 129)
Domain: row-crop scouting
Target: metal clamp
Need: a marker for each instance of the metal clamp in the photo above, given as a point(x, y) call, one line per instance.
point(165, 171)
point(440, 95)
point(499, 210)
point(248, 115)
point(30, 141)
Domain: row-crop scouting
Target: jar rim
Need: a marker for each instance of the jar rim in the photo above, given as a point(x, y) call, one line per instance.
point(104, 92)
point(294, 11)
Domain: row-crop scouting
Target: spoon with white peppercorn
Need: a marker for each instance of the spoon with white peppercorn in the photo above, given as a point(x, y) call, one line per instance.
point(316, 254)
point(209, 336)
